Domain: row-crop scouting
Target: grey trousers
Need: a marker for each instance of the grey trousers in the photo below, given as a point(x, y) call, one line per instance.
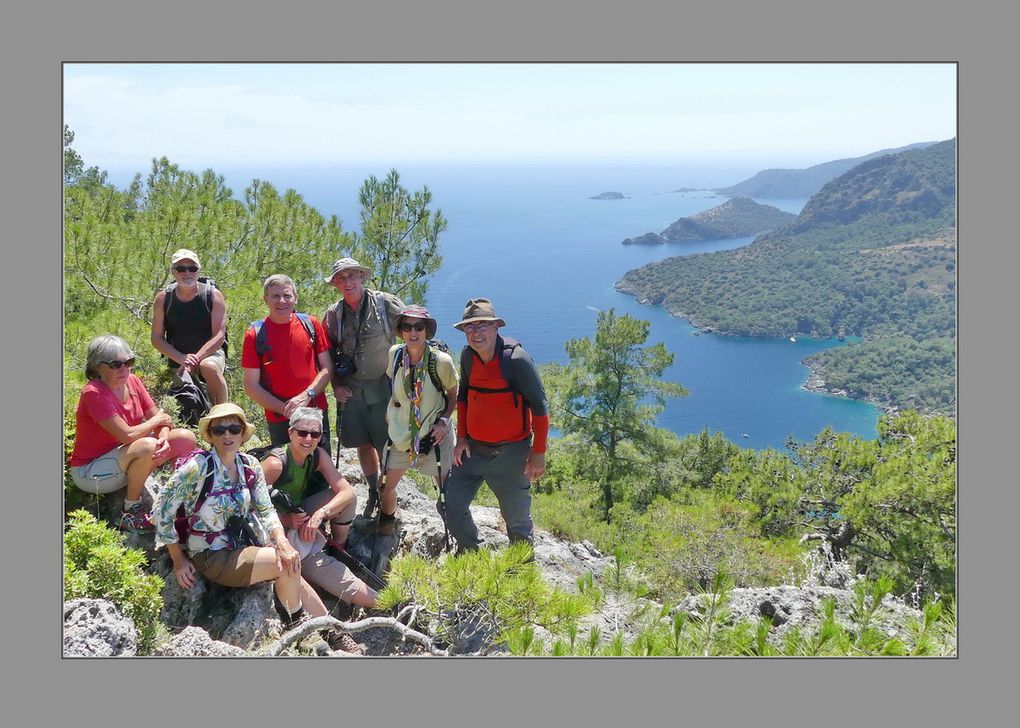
point(505, 475)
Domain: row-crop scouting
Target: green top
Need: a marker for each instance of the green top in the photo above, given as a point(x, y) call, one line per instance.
point(297, 477)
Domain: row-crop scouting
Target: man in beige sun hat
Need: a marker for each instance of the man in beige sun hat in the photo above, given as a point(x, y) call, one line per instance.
point(360, 327)
point(502, 426)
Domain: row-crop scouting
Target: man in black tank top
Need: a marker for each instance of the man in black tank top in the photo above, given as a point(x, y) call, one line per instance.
point(188, 331)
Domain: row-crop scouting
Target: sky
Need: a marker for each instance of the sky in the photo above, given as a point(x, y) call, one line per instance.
point(320, 115)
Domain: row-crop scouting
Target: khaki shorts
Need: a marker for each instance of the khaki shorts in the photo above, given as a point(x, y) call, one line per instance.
point(219, 358)
point(401, 459)
point(229, 567)
point(101, 476)
point(330, 575)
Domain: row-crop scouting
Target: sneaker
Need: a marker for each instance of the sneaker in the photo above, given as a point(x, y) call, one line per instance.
point(343, 642)
point(136, 520)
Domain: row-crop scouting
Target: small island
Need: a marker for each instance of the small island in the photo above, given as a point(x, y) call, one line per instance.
point(608, 196)
point(734, 218)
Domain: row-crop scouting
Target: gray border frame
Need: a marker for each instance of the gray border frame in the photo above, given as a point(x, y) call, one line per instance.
point(35, 40)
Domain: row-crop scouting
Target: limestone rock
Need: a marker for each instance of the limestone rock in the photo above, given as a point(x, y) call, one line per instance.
point(196, 642)
point(96, 628)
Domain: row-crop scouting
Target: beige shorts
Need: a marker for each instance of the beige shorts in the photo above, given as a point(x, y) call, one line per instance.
point(219, 359)
point(101, 476)
point(397, 459)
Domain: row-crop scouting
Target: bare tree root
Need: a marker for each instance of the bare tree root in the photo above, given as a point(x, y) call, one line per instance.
point(326, 622)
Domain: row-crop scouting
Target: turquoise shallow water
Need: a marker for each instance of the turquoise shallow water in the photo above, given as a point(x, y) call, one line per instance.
point(529, 238)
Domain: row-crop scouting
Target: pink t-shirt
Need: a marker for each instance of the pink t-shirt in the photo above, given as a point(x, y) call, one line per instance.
point(97, 403)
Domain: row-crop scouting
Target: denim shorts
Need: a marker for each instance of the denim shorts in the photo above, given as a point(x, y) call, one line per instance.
point(101, 476)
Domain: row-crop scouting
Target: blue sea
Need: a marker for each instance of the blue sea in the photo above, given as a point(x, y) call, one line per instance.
point(528, 237)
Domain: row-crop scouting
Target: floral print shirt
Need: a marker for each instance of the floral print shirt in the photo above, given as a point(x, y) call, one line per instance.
point(225, 500)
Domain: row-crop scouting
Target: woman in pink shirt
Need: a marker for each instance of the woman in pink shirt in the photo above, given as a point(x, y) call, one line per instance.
point(121, 435)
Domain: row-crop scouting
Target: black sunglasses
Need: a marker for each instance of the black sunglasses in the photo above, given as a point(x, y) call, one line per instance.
point(186, 268)
point(308, 433)
point(234, 429)
point(416, 327)
point(117, 363)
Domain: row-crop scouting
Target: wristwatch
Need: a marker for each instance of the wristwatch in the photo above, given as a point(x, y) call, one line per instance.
point(311, 393)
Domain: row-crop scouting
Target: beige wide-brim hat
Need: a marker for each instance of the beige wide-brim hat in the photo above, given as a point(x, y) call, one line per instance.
point(347, 264)
point(227, 409)
point(419, 312)
point(479, 309)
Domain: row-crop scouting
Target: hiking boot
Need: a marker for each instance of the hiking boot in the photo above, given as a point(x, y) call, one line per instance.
point(378, 526)
point(343, 642)
point(370, 504)
point(136, 520)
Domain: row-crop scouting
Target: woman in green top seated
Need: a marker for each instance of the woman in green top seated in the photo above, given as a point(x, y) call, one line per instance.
point(304, 471)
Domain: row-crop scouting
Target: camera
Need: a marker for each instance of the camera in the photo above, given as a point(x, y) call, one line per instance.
point(343, 364)
point(241, 532)
point(425, 444)
point(283, 502)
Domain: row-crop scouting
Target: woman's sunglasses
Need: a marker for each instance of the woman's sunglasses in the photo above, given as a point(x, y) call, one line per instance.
point(117, 363)
point(308, 433)
point(234, 429)
point(186, 268)
point(416, 327)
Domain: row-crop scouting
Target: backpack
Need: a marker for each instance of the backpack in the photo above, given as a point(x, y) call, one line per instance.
point(183, 522)
point(506, 345)
point(205, 292)
point(438, 345)
point(262, 345)
point(261, 453)
point(380, 310)
point(192, 399)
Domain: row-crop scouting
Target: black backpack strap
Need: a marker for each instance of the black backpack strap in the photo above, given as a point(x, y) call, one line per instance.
point(436, 381)
point(466, 356)
point(207, 482)
point(168, 298)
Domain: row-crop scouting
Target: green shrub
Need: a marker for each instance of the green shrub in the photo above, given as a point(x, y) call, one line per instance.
point(98, 566)
point(497, 592)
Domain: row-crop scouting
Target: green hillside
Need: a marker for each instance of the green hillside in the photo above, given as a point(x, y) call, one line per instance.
point(780, 183)
point(873, 253)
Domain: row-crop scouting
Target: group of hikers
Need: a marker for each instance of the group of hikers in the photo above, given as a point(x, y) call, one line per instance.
point(238, 519)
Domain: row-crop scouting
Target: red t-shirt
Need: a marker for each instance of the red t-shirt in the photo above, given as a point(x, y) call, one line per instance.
point(98, 403)
point(289, 365)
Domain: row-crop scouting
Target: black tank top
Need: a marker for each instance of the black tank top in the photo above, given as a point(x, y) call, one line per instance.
point(188, 325)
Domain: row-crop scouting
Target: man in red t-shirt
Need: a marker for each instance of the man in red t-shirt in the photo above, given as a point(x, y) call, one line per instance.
point(294, 367)
point(502, 427)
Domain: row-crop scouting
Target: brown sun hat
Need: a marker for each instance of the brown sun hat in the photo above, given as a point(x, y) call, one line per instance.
point(226, 409)
point(347, 264)
point(419, 312)
point(479, 309)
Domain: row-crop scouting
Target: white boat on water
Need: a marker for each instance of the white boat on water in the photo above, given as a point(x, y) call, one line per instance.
point(793, 339)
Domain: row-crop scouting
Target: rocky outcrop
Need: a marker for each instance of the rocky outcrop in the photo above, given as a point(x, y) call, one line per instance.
point(801, 607)
point(96, 628)
point(646, 239)
point(608, 196)
point(196, 642)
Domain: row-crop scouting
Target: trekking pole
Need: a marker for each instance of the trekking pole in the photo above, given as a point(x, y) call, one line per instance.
point(441, 502)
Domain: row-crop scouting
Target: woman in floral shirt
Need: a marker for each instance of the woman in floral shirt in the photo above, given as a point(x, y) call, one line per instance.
point(238, 488)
